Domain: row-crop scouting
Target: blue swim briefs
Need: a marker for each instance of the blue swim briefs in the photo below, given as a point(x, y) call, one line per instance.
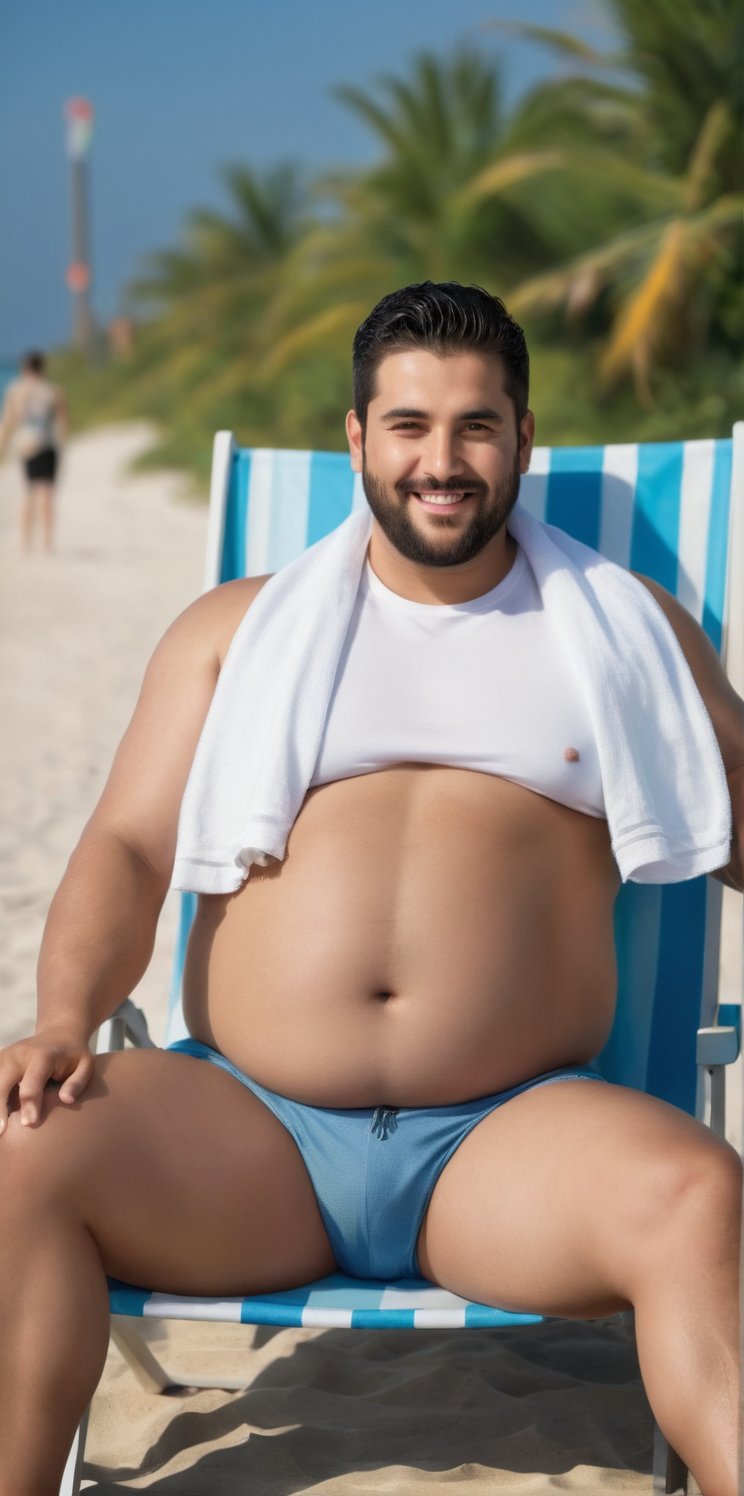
point(373, 1169)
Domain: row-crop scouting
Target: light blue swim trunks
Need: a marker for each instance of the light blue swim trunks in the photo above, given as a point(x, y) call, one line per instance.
point(373, 1169)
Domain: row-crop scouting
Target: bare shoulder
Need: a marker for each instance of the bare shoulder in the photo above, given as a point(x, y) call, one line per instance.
point(207, 626)
point(725, 708)
point(141, 799)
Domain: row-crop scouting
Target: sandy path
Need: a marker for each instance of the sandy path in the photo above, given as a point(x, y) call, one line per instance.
point(76, 631)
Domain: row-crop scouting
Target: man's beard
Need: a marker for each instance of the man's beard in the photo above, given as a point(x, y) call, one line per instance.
point(491, 511)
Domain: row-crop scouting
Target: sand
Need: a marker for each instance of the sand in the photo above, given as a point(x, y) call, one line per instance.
point(556, 1407)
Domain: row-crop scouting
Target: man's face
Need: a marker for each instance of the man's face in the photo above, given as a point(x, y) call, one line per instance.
point(442, 456)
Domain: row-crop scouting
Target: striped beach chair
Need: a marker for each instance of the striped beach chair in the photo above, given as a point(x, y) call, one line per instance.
point(672, 511)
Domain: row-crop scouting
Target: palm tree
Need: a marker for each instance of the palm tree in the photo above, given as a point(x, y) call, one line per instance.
point(412, 216)
point(205, 336)
point(664, 277)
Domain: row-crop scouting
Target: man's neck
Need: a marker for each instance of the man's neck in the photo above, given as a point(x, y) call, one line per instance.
point(441, 584)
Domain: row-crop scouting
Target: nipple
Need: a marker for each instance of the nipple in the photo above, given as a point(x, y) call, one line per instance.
point(571, 755)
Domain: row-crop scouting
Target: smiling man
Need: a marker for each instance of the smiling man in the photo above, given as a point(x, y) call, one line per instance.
point(396, 988)
point(470, 504)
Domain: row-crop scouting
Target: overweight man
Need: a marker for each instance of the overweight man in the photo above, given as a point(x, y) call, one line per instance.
point(395, 1007)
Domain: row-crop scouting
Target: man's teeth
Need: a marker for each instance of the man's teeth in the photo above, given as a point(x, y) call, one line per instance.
point(442, 498)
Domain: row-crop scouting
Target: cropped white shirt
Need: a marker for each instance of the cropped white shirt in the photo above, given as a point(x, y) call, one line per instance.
point(481, 685)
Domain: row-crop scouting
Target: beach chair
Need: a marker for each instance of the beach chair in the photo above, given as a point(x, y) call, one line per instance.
point(673, 511)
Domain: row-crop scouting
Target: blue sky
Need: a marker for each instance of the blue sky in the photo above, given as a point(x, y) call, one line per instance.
point(182, 86)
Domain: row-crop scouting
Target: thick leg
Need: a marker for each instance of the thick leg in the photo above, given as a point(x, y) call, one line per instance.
point(580, 1199)
point(167, 1172)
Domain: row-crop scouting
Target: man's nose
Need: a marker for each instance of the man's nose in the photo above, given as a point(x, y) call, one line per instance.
point(439, 456)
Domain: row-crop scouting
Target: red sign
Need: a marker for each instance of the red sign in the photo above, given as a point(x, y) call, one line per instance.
point(78, 276)
point(79, 109)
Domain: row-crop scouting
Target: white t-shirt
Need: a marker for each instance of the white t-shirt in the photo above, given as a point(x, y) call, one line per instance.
point(481, 685)
point(34, 402)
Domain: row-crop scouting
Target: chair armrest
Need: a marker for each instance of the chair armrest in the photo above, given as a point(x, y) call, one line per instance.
point(729, 1016)
point(128, 1022)
point(718, 1045)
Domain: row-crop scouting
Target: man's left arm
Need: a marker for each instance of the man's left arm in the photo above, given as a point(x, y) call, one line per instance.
point(726, 712)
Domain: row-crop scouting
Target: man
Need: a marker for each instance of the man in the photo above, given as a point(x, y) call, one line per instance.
point(420, 983)
point(36, 412)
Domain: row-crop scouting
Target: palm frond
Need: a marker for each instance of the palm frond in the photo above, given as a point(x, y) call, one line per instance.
point(716, 128)
point(559, 41)
point(374, 114)
point(641, 321)
point(551, 289)
point(342, 317)
point(503, 174)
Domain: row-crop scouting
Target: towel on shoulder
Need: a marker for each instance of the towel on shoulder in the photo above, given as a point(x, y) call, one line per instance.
point(667, 801)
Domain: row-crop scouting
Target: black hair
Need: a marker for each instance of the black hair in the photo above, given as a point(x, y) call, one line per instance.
point(446, 318)
point(35, 362)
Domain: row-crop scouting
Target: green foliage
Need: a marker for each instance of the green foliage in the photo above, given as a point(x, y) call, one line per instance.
point(663, 150)
point(605, 207)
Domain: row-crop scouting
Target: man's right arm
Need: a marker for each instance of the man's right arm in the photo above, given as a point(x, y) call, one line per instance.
point(101, 927)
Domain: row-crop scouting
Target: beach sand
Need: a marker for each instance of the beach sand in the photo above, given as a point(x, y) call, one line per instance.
point(556, 1407)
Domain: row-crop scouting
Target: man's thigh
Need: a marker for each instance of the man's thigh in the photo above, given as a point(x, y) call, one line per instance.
point(187, 1182)
point(556, 1200)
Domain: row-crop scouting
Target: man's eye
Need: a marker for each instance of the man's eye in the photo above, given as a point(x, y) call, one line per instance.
point(477, 426)
point(407, 426)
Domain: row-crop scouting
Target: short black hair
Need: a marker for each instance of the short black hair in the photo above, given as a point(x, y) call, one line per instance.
point(445, 317)
point(35, 362)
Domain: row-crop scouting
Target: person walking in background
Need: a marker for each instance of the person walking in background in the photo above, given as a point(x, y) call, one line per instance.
point(35, 413)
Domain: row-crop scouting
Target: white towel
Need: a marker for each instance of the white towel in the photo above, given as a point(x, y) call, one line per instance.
point(667, 802)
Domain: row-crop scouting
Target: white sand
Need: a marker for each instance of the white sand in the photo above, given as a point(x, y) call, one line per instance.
point(558, 1407)
point(76, 631)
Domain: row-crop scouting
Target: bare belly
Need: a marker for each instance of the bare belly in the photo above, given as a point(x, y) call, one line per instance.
point(433, 934)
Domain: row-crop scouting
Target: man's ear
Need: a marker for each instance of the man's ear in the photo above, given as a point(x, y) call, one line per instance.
point(526, 440)
point(356, 440)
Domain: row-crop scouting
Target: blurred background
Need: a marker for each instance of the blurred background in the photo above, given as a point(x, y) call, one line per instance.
point(256, 177)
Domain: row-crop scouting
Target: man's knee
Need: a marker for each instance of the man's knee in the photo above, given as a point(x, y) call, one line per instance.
point(43, 1164)
point(703, 1176)
point(692, 1194)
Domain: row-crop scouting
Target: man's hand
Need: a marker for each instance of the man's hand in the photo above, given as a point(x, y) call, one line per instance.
point(50, 1054)
point(101, 927)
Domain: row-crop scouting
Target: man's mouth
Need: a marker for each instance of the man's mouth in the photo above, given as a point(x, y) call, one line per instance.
point(443, 500)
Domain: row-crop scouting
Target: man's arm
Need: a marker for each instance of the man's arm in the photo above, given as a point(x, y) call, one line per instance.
point(101, 927)
point(725, 709)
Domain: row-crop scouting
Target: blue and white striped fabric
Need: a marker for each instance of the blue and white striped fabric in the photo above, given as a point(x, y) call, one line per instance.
point(336, 1301)
point(662, 510)
point(658, 508)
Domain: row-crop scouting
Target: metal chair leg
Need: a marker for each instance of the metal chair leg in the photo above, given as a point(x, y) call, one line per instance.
point(670, 1472)
point(74, 1467)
